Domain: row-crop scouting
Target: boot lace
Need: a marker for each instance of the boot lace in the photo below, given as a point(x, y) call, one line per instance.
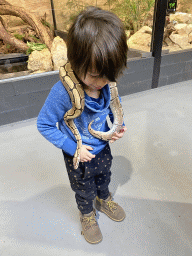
point(90, 221)
point(112, 205)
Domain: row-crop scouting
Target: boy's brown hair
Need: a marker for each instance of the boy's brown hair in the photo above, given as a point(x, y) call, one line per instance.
point(97, 40)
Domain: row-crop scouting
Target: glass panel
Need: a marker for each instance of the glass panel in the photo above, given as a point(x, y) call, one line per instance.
point(137, 16)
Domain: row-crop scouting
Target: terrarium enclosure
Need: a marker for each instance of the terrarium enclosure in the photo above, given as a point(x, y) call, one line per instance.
point(32, 50)
point(30, 31)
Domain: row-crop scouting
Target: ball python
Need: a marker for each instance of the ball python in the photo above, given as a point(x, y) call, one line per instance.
point(77, 96)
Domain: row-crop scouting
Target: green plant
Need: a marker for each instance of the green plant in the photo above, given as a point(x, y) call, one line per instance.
point(35, 47)
point(75, 7)
point(18, 36)
point(8, 46)
point(133, 13)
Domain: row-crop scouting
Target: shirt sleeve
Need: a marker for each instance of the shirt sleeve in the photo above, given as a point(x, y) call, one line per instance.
point(111, 114)
point(52, 112)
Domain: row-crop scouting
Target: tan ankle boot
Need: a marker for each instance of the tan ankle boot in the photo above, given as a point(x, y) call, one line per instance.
point(110, 208)
point(91, 230)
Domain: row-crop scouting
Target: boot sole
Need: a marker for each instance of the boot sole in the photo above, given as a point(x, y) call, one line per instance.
point(96, 242)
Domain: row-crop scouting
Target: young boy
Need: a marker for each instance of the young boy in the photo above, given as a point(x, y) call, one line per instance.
point(97, 51)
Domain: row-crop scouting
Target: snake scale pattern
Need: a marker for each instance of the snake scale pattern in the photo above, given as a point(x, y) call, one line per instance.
point(76, 93)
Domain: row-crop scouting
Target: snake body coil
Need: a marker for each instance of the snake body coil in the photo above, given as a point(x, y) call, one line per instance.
point(76, 93)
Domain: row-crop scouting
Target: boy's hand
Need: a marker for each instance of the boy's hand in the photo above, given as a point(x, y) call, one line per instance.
point(85, 155)
point(119, 135)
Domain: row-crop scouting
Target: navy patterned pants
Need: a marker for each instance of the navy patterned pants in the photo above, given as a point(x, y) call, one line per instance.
point(91, 179)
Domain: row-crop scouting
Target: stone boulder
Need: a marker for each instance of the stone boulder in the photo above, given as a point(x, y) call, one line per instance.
point(183, 29)
point(177, 34)
point(181, 40)
point(45, 61)
point(181, 17)
point(58, 52)
point(181, 36)
point(40, 61)
point(141, 40)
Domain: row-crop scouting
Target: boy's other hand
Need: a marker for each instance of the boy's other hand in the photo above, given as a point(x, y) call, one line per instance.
point(85, 155)
point(119, 135)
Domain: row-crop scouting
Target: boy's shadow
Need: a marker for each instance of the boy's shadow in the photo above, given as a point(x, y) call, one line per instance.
point(121, 171)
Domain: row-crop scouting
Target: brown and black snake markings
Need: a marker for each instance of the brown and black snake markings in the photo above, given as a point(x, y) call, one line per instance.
point(76, 93)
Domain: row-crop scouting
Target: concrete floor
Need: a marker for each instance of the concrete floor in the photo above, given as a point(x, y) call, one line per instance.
point(151, 180)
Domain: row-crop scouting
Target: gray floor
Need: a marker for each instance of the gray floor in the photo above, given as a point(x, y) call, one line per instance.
point(151, 180)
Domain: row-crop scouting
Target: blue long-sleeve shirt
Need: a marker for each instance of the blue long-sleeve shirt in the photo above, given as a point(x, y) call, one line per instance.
point(58, 103)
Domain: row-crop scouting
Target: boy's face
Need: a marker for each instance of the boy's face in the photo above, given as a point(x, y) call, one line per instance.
point(93, 81)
